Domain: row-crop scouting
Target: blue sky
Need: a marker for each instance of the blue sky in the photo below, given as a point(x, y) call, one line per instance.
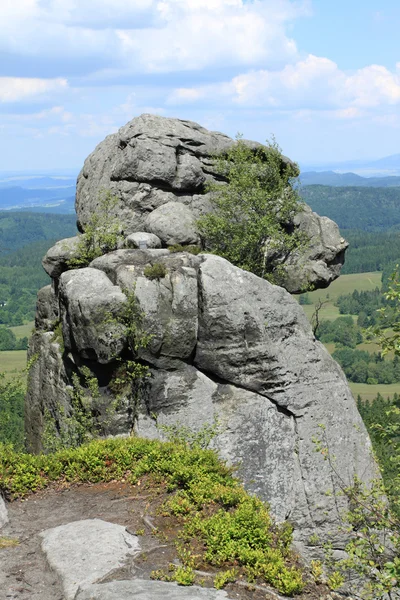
point(323, 76)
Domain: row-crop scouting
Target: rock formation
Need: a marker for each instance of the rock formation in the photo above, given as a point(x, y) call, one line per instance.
point(158, 167)
point(223, 342)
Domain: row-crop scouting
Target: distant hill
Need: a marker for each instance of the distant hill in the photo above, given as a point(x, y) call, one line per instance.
point(381, 167)
point(19, 229)
point(19, 197)
point(346, 179)
point(364, 208)
point(38, 182)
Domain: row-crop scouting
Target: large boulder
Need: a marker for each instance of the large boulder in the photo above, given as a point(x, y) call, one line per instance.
point(158, 169)
point(224, 344)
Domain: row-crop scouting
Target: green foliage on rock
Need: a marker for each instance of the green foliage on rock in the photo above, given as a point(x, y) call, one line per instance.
point(190, 248)
point(102, 232)
point(372, 529)
point(156, 271)
point(253, 206)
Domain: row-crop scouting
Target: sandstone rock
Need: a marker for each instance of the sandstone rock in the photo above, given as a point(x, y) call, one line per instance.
point(134, 240)
point(47, 311)
point(48, 390)
point(141, 589)
point(3, 512)
point(228, 344)
point(89, 305)
point(83, 552)
point(173, 223)
point(158, 167)
point(57, 257)
point(321, 262)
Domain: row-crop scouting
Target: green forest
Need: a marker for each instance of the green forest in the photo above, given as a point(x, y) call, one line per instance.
point(24, 240)
point(363, 208)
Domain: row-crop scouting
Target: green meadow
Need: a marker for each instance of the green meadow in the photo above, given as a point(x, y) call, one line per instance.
point(22, 331)
point(346, 284)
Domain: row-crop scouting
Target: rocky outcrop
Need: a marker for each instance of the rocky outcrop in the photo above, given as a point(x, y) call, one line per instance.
point(139, 589)
point(224, 344)
point(158, 169)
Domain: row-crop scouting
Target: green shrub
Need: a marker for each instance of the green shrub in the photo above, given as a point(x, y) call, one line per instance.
point(179, 248)
point(156, 271)
point(252, 208)
point(102, 232)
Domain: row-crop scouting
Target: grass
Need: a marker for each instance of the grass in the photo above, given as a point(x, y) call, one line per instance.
point(23, 330)
point(12, 361)
point(6, 542)
point(369, 392)
point(345, 284)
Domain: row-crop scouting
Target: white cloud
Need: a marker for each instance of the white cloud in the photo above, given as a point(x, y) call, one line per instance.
point(314, 83)
point(153, 35)
point(14, 89)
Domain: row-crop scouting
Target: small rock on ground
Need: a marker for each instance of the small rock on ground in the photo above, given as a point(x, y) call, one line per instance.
point(82, 552)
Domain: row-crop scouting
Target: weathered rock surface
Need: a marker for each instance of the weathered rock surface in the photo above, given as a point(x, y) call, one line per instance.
point(148, 590)
point(83, 552)
point(157, 167)
point(135, 239)
point(3, 512)
point(56, 259)
point(46, 308)
point(173, 223)
point(89, 305)
point(225, 344)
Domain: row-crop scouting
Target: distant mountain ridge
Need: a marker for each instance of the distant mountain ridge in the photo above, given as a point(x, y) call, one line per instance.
point(347, 179)
point(381, 167)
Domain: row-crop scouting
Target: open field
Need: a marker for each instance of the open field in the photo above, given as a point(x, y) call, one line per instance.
point(12, 361)
point(369, 392)
point(346, 284)
point(23, 330)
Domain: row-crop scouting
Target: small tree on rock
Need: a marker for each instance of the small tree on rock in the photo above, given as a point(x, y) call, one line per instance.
point(253, 209)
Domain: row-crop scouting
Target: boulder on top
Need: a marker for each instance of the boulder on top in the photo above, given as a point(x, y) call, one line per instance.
point(158, 169)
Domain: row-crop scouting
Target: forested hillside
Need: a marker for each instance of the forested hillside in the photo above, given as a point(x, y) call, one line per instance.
point(24, 239)
point(18, 229)
point(365, 208)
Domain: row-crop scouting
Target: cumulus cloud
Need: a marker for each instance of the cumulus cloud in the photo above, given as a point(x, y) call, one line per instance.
point(153, 35)
point(312, 83)
point(14, 89)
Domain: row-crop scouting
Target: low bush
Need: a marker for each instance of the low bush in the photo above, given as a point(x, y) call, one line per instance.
point(179, 248)
point(156, 271)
